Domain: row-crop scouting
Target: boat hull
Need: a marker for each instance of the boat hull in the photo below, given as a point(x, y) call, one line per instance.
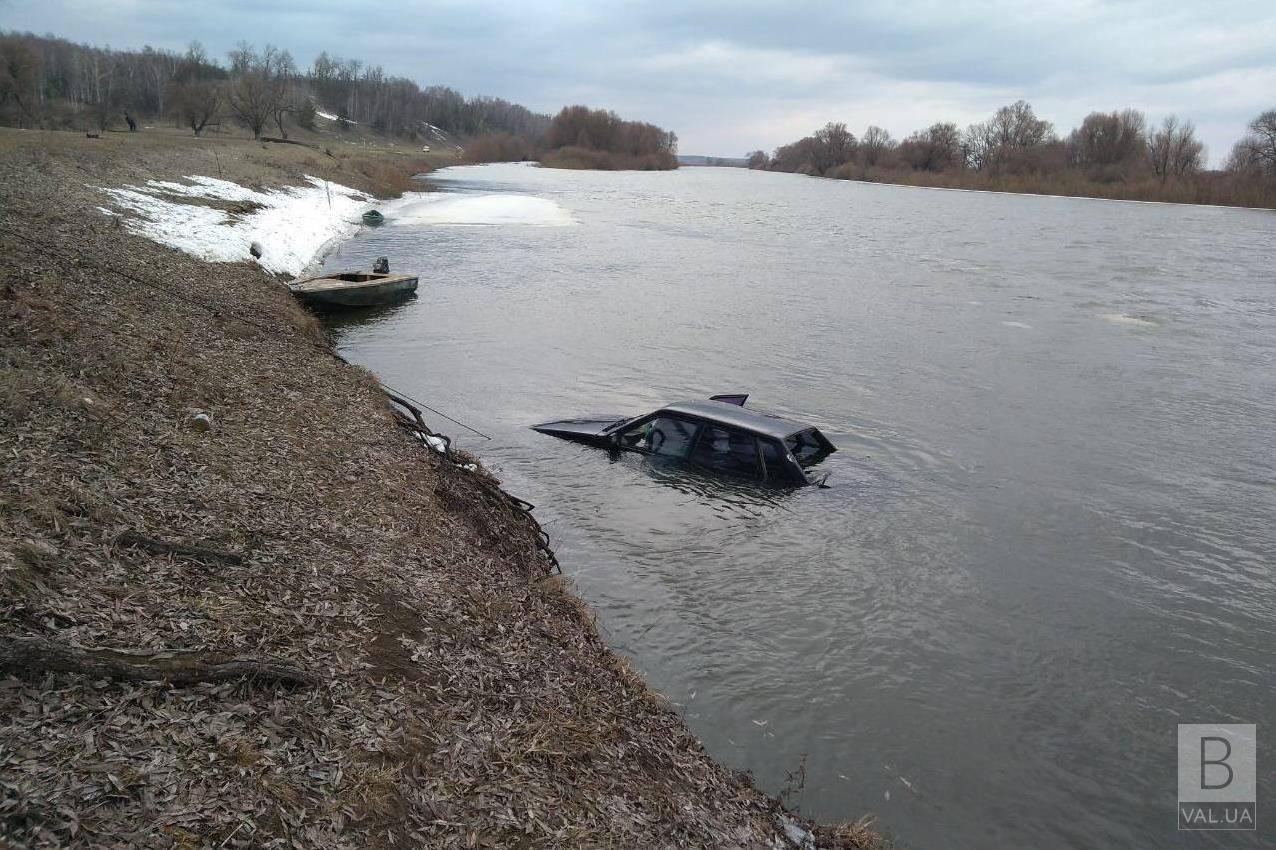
point(333, 292)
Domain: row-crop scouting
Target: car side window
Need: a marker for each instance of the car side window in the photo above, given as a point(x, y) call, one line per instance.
point(727, 451)
point(777, 466)
point(667, 436)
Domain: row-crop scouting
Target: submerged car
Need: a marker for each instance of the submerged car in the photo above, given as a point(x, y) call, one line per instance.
point(719, 435)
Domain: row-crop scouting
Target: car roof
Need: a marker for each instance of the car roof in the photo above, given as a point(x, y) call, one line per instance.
point(738, 417)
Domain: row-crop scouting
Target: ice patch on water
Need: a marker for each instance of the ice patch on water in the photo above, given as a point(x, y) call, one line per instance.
point(1017, 325)
point(292, 224)
point(480, 209)
point(1126, 319)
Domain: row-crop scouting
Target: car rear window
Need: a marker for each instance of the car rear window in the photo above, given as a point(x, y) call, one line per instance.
point(806, 446)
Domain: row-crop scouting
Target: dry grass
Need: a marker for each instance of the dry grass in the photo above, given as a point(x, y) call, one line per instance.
point(362, 162)
point(467, 700)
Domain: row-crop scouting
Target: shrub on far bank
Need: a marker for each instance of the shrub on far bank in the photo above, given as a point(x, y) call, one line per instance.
point(499, 147)
point(586, 158)
point(1114, 155)
point(1207, 187)
point(580, 137)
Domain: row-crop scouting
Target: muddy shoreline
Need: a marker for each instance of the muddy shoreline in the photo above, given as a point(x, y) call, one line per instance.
point(455, 695)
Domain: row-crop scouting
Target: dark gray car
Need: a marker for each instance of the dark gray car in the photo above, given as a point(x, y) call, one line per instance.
point(718, 435)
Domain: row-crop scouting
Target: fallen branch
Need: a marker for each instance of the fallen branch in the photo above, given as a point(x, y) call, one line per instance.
point(279, 141)
point(37, 655)
point(181, 550)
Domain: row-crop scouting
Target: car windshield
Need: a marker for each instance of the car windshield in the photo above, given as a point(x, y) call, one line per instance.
point(618, 423)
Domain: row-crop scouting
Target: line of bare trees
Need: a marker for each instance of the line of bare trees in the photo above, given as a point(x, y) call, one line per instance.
point(54, 83)
point(580, 137)
point(1016, 149)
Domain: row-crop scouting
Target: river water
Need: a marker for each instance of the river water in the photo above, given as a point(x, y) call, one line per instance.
point(1049, 536)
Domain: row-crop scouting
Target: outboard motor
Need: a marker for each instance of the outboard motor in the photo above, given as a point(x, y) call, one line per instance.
point(381, 266)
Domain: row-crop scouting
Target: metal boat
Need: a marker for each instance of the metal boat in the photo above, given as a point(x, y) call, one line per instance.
point(353, 289)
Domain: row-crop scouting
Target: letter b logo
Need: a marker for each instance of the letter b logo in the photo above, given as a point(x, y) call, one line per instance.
point(1222, 748)
point(1218, 766)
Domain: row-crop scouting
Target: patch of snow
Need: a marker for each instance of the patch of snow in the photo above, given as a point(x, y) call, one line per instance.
point(441, 209)
point(1017, 325)
point(205, 187)
point(293, 224)
point(439, 134)
point(437, 443)
point(331, 117)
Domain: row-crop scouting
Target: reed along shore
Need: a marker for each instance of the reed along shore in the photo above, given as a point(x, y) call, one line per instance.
point(240, 606)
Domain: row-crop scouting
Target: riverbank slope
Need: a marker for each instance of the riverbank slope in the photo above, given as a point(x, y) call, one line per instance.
point(186, 468)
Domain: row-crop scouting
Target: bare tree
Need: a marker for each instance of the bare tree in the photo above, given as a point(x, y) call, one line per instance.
point(242, 58)
point(936, 148)
point(1173, 149)
point(1006, 140)
point(834, 145)
point(1257, 151)
point(977, 146)
point(196, 55)
point(254, 98)
point(258, 87)
point(1108, 139)
point(106, 95)
point(278, 66)
point(1016, 126)
point(197, 103)
point(875, 145)
point(20, 73)
point(758, 160)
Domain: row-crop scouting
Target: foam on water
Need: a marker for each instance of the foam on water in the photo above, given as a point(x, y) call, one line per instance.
point(1126, 319)
point(443, 209)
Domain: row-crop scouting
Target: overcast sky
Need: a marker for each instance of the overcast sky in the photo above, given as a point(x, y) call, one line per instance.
point(729, 77)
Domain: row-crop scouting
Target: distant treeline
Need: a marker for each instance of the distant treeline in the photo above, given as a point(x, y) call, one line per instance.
point(580, 137)
point(53, 83)
point(1112, 154)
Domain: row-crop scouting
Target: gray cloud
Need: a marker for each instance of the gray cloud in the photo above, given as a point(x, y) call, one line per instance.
point(729, 77)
